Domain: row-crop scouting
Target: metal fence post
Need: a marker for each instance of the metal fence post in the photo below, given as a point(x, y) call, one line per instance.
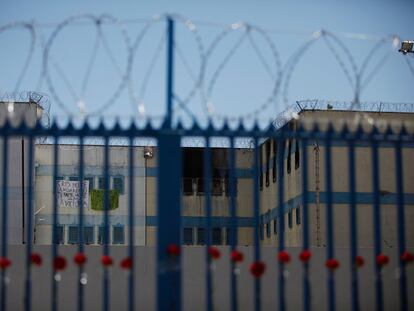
point(169, 199)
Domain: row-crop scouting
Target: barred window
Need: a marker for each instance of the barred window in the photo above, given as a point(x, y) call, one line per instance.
point(88, 235)
point(188, 236)
point(118, 235)
point(73, 236)
point(288, 162)
point(298, 215)
point(217, 239)
point(201, 236)
point(297, 155)
point(60, 234)
point(118, 184)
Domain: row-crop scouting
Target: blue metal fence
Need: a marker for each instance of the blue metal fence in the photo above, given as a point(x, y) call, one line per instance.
point(169, 213)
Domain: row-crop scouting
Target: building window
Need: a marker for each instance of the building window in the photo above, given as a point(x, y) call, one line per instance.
point(288, 163)
point(261, 168)
point(268, 229)
point(290, 219)
point(217, 236)
point(60, 234)
point(118, 235)
point(298, 215)
point(73, 236)
point(187, 186)
point(101, 183)
point(275, 226)
point(201, 236)
point(90, 179)
point(297, 155)
point(267, 162)
point(118, 184)
point(261, 233)
point(274, 170)
point(88, 235)
point(58, 178)
point(74, 178)
point(188, 236)
point(228, 236)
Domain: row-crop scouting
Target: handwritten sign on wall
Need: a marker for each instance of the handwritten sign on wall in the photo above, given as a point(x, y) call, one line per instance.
point(68, 194)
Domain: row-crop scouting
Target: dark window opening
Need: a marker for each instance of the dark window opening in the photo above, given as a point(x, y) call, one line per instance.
point(101, 183)
point(201, 236)
point(267, 161)
point(60, 237)
point(118, 184)
point(261, 233)
point(73, 235)
point(217, 240)
point(261, 168)
point(268, 229)
point(188, 236)
point(74, 178)
point(298, 216)
point(297, 155)
point(288, 163)
point(275, 226)
point(228, 236)
point(193, 171)
point(118, 235)
point(274, 170)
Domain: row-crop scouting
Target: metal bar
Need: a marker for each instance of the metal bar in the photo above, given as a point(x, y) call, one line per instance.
point(306, 284)
point(401, 225)
point(4, 219)
point(330, 252)
point(353, 226)
point(233, 226)
point(105, 298)
point(131, 255)
point(256, 223)
point(170, 69)
point(29, 229)
point(54, 295)
point(207, 190)
point(80, 226)
point(281, 216)
point(377, 225)
point(169, 222)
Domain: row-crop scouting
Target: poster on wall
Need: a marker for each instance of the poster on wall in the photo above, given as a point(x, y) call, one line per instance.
point(68, 194)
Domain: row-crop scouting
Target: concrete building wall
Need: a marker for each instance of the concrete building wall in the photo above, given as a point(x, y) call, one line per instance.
point(68, 168)
point(17, 167)
point(292, 185)
point(193, 206)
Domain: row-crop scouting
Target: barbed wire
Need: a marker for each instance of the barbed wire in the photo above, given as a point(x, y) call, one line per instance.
point(204, 76)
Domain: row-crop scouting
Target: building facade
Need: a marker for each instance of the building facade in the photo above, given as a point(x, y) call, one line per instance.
point(292, 171)
point(144, 192)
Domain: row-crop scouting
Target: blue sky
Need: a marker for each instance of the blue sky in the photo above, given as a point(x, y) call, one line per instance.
point(243, 85)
